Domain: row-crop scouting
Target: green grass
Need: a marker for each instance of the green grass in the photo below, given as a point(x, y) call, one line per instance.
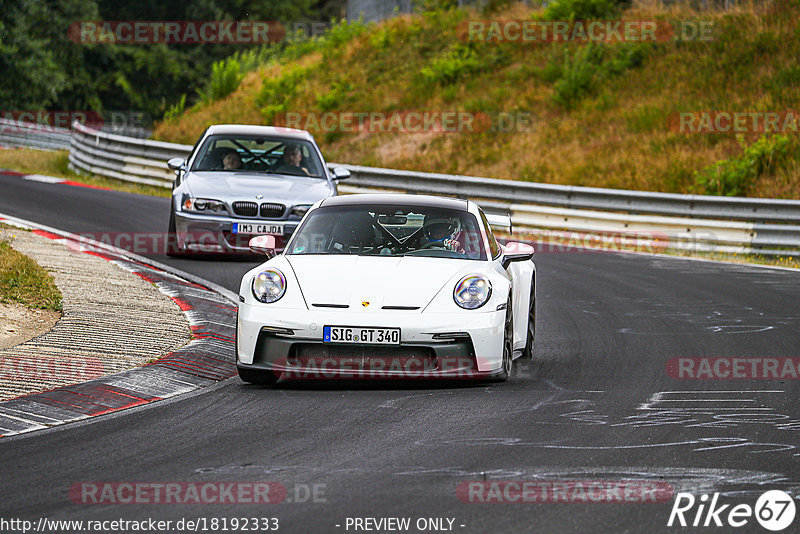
point(24, 281)
point(602, 113)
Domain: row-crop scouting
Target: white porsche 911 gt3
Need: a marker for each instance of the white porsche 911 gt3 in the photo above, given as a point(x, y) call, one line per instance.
point(387, 286)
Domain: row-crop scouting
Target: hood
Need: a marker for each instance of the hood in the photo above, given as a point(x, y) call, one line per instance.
point(231, 186)
point(379, 280)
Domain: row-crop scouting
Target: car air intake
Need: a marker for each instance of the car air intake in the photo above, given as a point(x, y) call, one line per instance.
point(272, 211)
point(245, 209)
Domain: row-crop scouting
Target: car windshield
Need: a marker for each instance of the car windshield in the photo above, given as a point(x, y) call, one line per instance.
point(374, 230)
point(250, 153)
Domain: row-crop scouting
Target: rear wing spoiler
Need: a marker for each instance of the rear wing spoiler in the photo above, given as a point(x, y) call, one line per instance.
point(499, 222)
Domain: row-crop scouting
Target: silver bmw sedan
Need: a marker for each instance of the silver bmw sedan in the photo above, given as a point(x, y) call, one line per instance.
point(242, 180)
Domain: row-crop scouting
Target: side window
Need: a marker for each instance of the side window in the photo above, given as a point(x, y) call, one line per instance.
point(494, 248)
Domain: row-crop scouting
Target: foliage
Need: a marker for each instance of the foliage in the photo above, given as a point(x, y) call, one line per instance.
point(458, 61)
point(176, 109)
point(226, 75)
point(597, 114)
point(582, 9)
point(578, 72)
point(276, 93)
point(43, 69)
point(734, 177)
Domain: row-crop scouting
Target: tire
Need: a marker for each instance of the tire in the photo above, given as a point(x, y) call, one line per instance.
point(508, 344)
point(260, 378)
point(528, 352)
point(173, 249)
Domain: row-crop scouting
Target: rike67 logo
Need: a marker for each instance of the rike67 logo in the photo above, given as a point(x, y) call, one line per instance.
point(774, 510)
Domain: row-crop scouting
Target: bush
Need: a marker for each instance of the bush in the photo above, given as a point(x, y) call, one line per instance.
point(582, 9)
point(335, 97)
point(455, 63)
point(250, 60)
point(176, 109)
point(226, 75)
point(734, 177)
point(340, 33)
point(276, 93)
point(577, 73)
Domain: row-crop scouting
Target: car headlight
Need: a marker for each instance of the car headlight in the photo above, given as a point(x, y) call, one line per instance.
point(300, 211)
point(472, 291)
point(269, 285)
point(199, 205)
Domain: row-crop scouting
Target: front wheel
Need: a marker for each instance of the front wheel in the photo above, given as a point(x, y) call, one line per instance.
point(528, 352)
point(508, 344)
point(173, 248)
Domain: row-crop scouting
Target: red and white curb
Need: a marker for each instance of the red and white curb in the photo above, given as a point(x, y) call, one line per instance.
point(206, 359)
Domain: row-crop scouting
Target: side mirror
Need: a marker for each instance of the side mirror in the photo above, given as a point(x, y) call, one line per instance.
point(514, 251)
point(340, 173)
point(263, 244)
point(177, 164)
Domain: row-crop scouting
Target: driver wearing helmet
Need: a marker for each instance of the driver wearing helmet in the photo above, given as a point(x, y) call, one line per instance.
point(442, 233)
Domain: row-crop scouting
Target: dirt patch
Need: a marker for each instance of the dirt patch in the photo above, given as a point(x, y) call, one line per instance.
point(19, 324)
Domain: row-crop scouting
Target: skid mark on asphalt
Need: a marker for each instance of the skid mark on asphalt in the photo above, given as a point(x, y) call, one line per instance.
point(697, 445)
point(696, 480)
point(706, 409)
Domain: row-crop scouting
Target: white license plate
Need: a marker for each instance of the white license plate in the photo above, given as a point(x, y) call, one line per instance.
point(260, 229)
point(358, 334)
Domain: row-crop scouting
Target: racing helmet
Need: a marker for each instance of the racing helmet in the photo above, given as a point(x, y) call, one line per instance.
point(440, 229)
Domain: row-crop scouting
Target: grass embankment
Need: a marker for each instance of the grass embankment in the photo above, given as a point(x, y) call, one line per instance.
point(24, 281)
point(603, 114)
point(55, 163)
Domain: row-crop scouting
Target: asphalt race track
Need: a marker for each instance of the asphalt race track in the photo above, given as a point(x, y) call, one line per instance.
point(597, 403)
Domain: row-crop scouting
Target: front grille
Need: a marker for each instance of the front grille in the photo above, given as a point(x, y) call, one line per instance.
point(245, 209)
point(272, 211)
point(376, 358)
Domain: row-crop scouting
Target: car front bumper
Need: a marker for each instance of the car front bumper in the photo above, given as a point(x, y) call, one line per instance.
point(432, 345)
point(212, 233)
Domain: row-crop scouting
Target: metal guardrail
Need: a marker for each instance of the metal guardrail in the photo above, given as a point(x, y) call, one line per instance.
point(728, 224)
point(576, 197)
point(24, 134)
point(124, 158)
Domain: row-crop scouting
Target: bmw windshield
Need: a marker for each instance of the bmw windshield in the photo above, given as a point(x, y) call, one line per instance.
point(250, 153)
point(372, 230)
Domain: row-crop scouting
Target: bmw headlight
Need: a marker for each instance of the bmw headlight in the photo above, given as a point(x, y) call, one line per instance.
point(472, 291)
point(269, 285)
point(199, 205)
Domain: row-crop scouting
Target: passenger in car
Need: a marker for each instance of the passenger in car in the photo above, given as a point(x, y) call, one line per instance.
point(231, 161)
